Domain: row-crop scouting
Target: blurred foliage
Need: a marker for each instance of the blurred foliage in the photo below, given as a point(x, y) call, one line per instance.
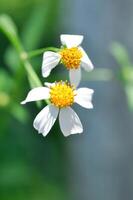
point(125, 73)
point(31, 167)
point(6, 101)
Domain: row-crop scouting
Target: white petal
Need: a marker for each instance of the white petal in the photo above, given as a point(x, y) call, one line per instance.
point(50, 60)
point(36, 94)
point(71, 40)
point(46, 119)
point(85, 61)
point(49, 84)
point(75, 76)
point(69, 122)
point(84, 97)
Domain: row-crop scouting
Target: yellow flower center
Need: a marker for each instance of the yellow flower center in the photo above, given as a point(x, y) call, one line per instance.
point(71, 57)
point(62, 94)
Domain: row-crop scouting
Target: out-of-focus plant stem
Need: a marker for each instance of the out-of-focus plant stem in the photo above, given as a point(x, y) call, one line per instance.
point(32, 76)
point(42, 50)
point(8, 27)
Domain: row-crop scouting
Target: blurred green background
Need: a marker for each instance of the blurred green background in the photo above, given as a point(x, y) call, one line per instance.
point(58, 168)
point(31, 167)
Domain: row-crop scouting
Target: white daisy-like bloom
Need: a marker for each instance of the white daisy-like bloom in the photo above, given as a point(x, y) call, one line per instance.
point(61, 96)
point(71, 55)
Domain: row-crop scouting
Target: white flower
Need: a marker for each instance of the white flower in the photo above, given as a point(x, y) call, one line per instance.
point(61, 96)
point(71, 55)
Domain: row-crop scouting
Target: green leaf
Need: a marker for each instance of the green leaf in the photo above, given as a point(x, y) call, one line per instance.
point(127, 74)
point(8, 27)
point(12, 59)
point(41, 24)
point(19, 112)
point(129, 94)
point(6, 82)
point(120, 54)
point(35, 27)
point(4, 99)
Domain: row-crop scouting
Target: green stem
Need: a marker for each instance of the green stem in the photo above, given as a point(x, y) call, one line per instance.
point(40, 51)
point(32, 76)
point(8, 27)
point(31, 73)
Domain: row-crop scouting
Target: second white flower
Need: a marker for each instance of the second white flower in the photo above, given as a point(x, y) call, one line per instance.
point(71, 55)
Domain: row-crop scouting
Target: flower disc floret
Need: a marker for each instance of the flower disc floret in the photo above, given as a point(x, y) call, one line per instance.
point(62, 94)
point(71, 57)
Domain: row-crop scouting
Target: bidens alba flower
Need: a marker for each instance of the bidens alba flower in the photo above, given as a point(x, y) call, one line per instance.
point(61, 96)
point(71, 55)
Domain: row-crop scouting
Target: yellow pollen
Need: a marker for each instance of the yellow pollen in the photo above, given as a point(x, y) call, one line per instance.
point(71, 57)
point(62, 94)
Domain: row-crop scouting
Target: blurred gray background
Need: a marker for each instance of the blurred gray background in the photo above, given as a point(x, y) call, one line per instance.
point(100, 162)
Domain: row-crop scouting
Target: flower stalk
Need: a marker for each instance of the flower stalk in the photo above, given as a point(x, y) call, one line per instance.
point(32, 76)
point(41, 51)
